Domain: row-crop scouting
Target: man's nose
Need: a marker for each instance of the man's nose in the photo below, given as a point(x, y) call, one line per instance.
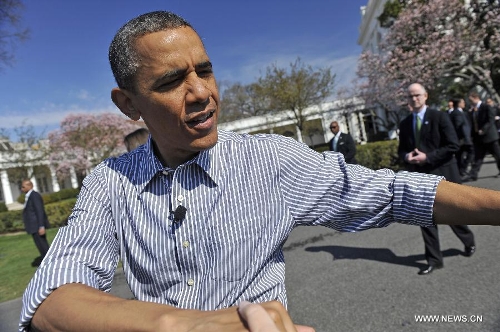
point(198, 89)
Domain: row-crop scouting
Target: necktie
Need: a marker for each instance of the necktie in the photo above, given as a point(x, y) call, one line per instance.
point(474, 119)
point(417, 132)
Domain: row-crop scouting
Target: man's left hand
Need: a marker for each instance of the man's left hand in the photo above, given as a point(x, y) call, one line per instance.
point(417, 157)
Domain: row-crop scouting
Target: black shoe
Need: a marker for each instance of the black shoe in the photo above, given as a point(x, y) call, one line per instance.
point(37, 261)
point(469, 251)
point(430, 268)
point(469, 178)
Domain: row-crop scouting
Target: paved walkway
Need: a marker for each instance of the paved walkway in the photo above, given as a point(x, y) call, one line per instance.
point(368, 281)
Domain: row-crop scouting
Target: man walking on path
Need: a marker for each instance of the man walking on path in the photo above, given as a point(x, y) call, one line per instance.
point(484, 135)
point(35, 219)
point(427, 143)
point(459, 119)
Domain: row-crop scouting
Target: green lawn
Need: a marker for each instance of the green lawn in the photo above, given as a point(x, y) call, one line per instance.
point(16, 254)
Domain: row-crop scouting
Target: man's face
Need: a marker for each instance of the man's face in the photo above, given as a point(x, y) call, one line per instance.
point(490, 102)
point(176, 93)
point(334, 127)
point(461, 104)
point(416, 97)
point(450, 105)
point(25, 187)
point(473, 100)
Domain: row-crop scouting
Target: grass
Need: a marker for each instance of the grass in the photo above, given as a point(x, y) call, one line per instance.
point(16, 254)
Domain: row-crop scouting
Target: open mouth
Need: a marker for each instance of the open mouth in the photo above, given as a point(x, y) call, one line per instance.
point(202, 119)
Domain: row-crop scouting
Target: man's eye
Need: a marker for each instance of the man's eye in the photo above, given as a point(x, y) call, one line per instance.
point(205, 73)
point(170, 84)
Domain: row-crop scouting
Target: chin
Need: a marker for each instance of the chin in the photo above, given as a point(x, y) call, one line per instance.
point(206, 142)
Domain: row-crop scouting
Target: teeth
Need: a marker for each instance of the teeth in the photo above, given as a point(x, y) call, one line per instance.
point(204, 118)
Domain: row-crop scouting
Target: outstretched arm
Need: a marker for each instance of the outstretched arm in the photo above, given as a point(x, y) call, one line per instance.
point(457, 204)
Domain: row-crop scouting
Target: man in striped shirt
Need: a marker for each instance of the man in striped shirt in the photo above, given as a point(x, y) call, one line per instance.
point(199, 216)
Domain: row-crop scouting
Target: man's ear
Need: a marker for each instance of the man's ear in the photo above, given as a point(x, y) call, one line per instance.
point(122, 100)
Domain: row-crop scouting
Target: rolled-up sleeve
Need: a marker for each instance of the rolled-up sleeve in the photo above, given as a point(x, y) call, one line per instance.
point(414, 195)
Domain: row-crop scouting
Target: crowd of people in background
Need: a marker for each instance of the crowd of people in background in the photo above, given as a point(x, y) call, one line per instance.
point(478, 131)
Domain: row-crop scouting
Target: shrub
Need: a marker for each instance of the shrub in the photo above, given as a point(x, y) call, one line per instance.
point(59, 212)
point(60, 195)
point(55, 196)
point(11, 221)
point(3, 207)
point(375, 155)
point(21, 199)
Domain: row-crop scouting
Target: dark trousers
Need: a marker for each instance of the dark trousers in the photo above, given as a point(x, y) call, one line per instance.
point(464, 156)
point(41, 243)
point(480, 150)
point(431, 240)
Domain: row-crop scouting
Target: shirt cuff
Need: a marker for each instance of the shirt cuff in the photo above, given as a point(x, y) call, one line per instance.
point(414, 196)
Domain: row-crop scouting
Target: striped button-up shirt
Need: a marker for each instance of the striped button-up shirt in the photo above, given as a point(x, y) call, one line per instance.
point(243, 198)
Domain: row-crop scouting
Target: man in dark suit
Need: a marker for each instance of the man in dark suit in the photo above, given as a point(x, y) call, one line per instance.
point(35, 219)
point(427, 144)
point(496, 111)
point(343, 143)
point(462, 127)
point(484, 135)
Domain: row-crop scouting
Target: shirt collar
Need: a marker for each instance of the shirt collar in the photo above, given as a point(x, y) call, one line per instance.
point(28, 194)
point(150, 166)
point(420, 114)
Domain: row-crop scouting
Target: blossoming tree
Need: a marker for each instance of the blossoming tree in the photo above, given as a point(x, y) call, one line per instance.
point(435, 42)
point(84, 140)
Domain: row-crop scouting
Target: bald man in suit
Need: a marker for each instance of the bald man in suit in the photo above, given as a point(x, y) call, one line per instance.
point(427, 144)
point(35, 219)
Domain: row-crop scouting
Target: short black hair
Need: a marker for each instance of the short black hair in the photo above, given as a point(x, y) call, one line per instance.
point(122, 55)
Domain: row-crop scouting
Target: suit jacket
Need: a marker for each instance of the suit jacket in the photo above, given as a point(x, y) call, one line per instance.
point(462, 127)
point(346, 146)
point(438, 140)
point(34, 215)
point(485, 118)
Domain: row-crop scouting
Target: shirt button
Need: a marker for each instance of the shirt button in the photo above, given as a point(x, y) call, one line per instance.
point(185, 244)
point(165, 172)
point(180, 198)
point(190, 282)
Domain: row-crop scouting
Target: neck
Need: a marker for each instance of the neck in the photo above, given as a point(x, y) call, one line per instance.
point(171, 160)
point(419, 110)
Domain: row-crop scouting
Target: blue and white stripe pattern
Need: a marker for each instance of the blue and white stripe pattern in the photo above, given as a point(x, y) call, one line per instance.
point(243, 198)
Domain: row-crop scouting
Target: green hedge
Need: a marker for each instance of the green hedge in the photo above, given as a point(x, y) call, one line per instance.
point(11, 221)
point(375, 155)
point(3, 207)
point(55, 197)
point(57, 213)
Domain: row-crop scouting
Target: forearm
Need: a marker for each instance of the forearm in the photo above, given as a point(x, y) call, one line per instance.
point(77, 307)
point(465, 205)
